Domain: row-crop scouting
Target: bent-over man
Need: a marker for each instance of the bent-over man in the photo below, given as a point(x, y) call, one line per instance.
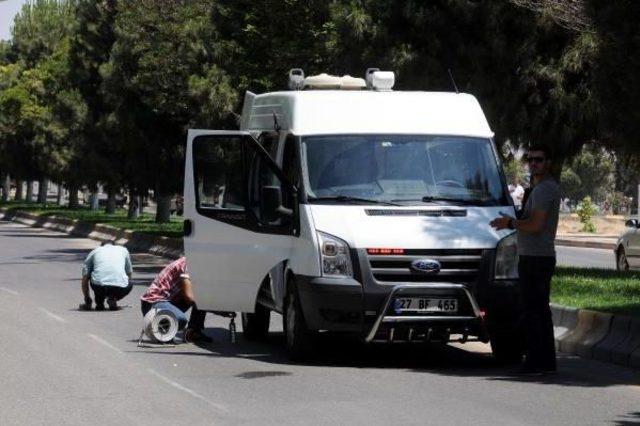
point(107, 269)
point(172, 290)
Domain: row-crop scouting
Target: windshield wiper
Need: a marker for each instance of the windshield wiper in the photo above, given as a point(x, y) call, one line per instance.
point(346, 198)
point(465, 201)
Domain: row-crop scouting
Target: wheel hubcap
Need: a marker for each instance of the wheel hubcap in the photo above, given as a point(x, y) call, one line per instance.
point(622, 262)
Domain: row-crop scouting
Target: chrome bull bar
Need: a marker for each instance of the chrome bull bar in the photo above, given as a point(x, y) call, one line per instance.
point(400, 288)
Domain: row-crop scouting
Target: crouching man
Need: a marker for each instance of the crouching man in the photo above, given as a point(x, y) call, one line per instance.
point(172, 290)
point(108, 270)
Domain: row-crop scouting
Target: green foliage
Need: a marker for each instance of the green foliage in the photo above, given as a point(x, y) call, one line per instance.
point(514, 171)
point(586, 209)
point(590, 173)
point(597, 289)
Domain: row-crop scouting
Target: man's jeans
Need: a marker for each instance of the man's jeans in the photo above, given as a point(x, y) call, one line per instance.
point(535, 280)
point(196, 321)
point(102, 292)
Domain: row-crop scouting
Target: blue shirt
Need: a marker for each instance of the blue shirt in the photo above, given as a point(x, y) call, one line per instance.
point(108, 265)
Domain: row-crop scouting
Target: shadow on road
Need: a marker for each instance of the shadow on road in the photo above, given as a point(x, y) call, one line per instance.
point(445, 360)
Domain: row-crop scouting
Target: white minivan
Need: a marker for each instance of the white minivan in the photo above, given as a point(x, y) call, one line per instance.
point(349, 207)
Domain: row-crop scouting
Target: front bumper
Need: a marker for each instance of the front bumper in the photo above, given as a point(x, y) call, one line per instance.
point(363, 306)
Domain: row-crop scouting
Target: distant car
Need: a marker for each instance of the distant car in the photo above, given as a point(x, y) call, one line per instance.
point(627, 249)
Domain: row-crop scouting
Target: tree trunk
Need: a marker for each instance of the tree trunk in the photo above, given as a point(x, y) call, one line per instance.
point(163, 209)
point(93, 200)
point(29, 191)
point(132, 212)
point(60, 195)
point(140, 205)
point(74, 203)
point(43, 189)
point(111, 201)
point(6, 188)
point(19, 190)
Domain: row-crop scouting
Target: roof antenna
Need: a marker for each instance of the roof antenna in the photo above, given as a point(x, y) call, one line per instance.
point(453, 81)
point(276, 125)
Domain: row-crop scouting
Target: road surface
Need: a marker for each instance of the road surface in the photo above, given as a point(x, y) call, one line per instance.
point(585, 257)
point(62, 366)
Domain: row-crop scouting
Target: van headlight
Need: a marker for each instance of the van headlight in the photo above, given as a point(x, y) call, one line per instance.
point(507, 258)
point(334, 257)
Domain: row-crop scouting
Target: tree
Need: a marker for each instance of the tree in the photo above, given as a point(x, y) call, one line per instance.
point(591, 173)
point(161, 77)
point(530, 75)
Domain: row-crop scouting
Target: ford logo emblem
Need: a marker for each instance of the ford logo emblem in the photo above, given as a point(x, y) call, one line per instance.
point(426, 266)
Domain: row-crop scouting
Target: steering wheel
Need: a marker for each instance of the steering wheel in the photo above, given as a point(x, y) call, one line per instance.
point(450, 182)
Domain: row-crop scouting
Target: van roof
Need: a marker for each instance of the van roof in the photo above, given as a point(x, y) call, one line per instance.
point(316, 112)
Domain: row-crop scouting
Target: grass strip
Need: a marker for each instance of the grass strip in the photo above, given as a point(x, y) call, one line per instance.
point(601, 290)
point(144, 224)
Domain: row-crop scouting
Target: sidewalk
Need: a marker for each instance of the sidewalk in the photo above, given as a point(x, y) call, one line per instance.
point(601, 241)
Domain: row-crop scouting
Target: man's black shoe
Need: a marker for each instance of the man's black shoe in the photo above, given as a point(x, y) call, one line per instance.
point(113, 304)
point(100, 306)
point(529, 371)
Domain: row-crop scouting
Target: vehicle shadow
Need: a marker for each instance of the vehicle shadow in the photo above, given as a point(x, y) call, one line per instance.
point(631, 419)
point(445, 360)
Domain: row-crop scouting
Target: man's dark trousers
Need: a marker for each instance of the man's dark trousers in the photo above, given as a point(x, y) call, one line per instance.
point(535, 279)
point(103, 292)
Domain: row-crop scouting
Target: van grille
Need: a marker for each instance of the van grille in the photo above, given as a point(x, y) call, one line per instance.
point(457, 266)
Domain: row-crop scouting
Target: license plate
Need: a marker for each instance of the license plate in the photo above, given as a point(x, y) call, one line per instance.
point(424, 304)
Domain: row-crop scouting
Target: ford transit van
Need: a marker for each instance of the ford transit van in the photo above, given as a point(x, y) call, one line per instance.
point(348, 207)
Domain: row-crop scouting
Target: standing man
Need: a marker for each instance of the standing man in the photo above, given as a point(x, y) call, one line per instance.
point(172, 290)
point(108, 270)
point(536, 230)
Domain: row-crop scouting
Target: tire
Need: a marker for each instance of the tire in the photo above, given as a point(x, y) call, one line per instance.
point(621, 260)
point(255, 326)
point(299, 340)
point(508, 348)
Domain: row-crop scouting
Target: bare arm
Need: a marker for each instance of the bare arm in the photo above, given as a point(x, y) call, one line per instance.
point(187, 291)
point(85, 286)
point(531, 225)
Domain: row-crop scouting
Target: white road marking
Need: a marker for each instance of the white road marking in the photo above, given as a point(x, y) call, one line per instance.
point(52, 315)
point(218, 407)
point(15, 293)
point(104, 343)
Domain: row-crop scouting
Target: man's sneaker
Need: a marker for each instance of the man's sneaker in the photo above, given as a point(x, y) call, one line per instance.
point(191, 335)
point(113, 304)
point(100, 306)
point(85, 307)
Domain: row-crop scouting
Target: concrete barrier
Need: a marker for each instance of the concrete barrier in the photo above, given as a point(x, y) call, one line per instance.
point(134, 241)
point(568, 321)
point(619, 331)
point(622, 353)
point(591, 328)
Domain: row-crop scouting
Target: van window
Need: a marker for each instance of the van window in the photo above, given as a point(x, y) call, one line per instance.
point(219, 173)
point(261, 180)
point(399, 168)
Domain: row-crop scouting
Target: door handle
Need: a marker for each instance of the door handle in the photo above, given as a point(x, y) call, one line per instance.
point(187, 227)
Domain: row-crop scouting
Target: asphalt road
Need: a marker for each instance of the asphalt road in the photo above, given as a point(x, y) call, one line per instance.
point(62, 366)
point(585, 257)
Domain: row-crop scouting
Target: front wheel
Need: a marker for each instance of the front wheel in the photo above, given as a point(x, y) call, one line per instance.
point(621, 260)
point(299, 339)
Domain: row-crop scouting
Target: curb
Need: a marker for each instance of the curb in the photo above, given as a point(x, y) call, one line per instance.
point(134, 241)
point(597, 335)
point(585, 244)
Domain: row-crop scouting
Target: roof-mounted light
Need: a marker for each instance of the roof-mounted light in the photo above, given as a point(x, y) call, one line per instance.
point(380, 80)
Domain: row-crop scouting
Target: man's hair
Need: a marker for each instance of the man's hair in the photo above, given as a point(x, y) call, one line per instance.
point(548, 153)
point(105, 242)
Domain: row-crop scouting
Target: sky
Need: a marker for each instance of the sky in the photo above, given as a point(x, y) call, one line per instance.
point(8, 9)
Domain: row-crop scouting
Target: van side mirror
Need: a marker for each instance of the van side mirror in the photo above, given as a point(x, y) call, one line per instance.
point(631, 223)
point(271, 204)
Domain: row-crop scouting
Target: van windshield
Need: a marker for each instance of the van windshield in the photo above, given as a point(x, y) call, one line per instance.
point(402, 169)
